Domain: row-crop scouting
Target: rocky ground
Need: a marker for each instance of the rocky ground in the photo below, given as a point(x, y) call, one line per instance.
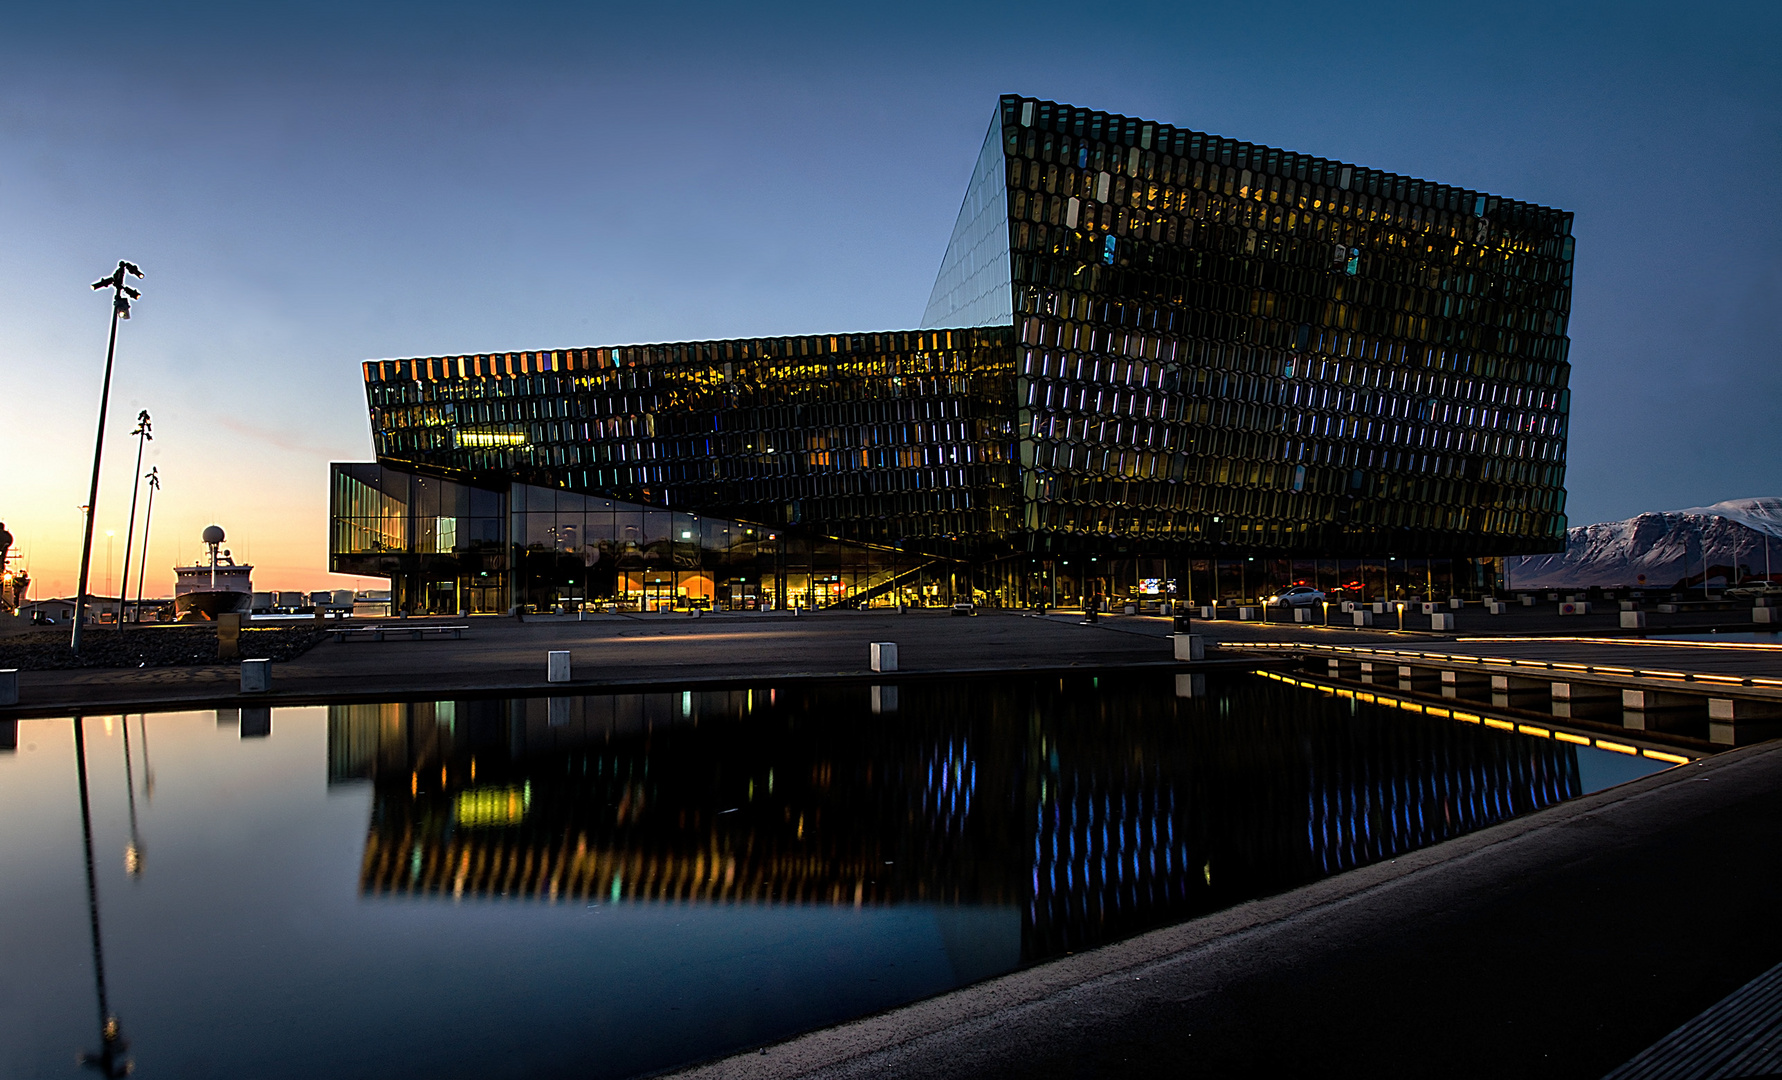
point(149, 646)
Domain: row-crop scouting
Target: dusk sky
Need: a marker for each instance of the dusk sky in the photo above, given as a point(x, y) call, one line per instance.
point(312, 185)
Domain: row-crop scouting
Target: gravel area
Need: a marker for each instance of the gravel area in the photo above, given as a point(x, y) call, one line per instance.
point(148, 646)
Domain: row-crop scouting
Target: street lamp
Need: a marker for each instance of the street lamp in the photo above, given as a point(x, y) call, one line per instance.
point(122, 294)
point(142, 435)
point(154, 484)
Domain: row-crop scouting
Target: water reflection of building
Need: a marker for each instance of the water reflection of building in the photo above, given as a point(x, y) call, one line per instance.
point(1097, 811)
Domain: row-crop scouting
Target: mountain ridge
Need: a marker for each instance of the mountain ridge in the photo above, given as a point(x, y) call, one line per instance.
point(1664, 549)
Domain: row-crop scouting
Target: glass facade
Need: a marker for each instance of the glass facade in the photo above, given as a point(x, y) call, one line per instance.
point(1151, 355)
point(448, 545)
point(1230, 347)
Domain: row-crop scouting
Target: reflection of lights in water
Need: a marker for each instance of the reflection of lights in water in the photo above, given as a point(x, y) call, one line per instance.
point(952, 781)
point(132, 859)
point(491, 806)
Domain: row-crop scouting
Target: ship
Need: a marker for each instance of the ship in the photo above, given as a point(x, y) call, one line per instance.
point(204, 590)
point(15, 584)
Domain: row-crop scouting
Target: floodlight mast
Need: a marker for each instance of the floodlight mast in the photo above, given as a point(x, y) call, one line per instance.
point(144, 434)
point(122, 295)
point(153, 479)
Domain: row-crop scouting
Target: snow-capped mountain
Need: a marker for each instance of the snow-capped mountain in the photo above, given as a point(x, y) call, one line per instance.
point(1660, 550)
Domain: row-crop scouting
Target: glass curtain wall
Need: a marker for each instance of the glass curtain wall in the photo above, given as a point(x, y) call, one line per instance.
point(449, 546)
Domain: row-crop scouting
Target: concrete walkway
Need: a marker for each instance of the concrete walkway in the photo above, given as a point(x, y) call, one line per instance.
point(503, 656)
point(1556, 945)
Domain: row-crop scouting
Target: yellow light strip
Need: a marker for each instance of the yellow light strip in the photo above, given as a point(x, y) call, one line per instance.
point(1386, 701)
point(1637, 642)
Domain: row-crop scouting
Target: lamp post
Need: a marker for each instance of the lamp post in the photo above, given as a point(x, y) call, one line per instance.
point(142, 436)
point(122, 294)
point(148, 516)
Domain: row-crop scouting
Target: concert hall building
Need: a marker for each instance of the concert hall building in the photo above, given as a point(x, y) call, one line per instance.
point(1154, 362)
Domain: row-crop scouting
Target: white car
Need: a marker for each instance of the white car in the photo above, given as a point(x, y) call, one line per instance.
point(1298, 596)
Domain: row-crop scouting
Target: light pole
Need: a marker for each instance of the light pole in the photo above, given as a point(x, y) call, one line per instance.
point(122, 294)
point(148, 516)
point(143, 435)
point(110, 535)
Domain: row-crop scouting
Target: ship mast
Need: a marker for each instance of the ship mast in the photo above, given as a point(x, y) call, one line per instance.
point(213, 535)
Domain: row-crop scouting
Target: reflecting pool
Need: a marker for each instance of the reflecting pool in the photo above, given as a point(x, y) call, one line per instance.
point(606, 885)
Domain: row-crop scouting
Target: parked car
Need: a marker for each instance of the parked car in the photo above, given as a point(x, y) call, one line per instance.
point(1298, 596)
point(963, 607)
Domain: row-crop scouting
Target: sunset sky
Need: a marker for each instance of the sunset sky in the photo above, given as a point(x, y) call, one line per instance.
point(311, 185)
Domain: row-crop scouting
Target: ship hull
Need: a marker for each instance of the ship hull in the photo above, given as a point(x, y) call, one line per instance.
point(208, 605)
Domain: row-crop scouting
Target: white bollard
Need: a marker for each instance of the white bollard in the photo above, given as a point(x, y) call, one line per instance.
point(884, 700)
point(1633, 620)
point(1456, 602)
point(9, 686)
point(1766, 615)
point(256, 676)
point(884, 656)
point(1364, 618)
point(1190, 646)
point(1441, 620)
point(1496, 607)
point(557, 665)
point(1304, 615)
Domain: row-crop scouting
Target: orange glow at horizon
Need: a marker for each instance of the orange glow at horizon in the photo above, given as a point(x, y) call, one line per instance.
point(266, 485)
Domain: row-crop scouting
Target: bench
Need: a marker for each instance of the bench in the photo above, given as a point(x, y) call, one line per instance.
point(414, 633)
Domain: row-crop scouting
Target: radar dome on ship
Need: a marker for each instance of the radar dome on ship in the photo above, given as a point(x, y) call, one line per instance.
point(213, 534)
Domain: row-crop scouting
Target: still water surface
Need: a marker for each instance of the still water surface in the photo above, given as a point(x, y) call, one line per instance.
point(605, 885)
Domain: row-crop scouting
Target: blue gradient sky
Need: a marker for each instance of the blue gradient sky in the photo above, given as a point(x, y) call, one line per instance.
point(312, 185)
